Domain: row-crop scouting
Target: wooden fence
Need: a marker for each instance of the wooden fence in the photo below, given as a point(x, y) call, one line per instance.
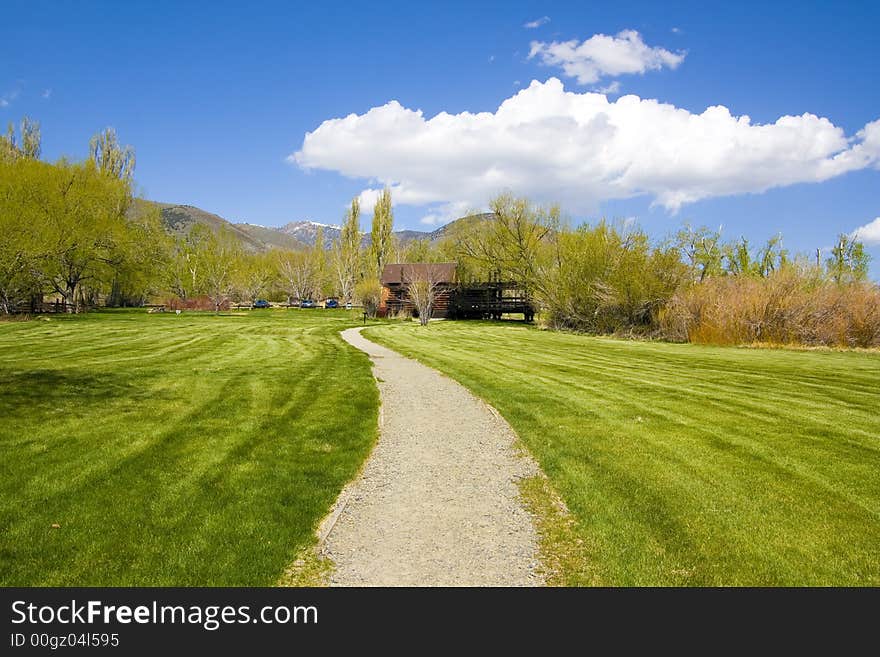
point(41, 308)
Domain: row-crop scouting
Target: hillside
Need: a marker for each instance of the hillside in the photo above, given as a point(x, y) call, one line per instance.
point(307, 231)
point(440, 233)
point(179, 220)
point(271, 237)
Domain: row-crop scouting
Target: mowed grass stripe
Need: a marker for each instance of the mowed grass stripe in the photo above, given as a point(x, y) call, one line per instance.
point(686, 464)
point(186, 450)
point(656, 373)
point(64, 331)
point(763, 407)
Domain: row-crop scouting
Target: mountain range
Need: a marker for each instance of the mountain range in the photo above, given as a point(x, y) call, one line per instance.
point(179, 220)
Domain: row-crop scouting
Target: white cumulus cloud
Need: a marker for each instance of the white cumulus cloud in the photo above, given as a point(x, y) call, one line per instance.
point(446, 213)
point(604, 56)
point(368, 198)
point(869, 233)
point(580, 149)
point(612, 88)
point(538, 22)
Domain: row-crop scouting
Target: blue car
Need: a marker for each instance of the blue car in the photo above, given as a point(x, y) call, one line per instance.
point(261, 303)
point(331, 303)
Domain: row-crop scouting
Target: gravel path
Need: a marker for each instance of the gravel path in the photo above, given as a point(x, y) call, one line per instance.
point(437, 502)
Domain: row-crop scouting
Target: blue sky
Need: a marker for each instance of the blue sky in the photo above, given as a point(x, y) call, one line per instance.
point(215, 97)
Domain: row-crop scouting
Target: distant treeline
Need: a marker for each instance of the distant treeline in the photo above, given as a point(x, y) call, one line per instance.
point(73, 229)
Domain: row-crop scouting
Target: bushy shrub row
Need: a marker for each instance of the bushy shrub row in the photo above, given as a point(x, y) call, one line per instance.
point(789, 307)
point(612, 279)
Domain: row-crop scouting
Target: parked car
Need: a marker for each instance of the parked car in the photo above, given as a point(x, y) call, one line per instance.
point(331, 303)
point(262, 303)
point(306, 303)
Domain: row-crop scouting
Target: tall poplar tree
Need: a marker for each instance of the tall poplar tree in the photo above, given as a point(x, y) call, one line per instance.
point(380, 236)
point(318, 257)
point(30, 146)
point(110, 157)
point(347, 251)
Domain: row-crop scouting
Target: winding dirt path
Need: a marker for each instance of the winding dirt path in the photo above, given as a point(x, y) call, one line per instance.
point(437, 502)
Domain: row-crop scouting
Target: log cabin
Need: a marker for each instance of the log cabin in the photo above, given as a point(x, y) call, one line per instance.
point(476, 300)
point(394, 279)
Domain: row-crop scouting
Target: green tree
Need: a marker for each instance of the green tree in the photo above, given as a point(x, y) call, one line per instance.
point(254, 273)
point(8, 149)
point(183, 274)
point(83, 216)
point(369, 293)
point(110, 157)
point(347, 252)
point(67, 227)
point(295, 274)
point(702, 250)
point(419, 250)
point(138, 258)
point(512, 243)
point(848, 261)
point(381, 233)
point(24, 243)
point(219, 260)
point(604, 280)
point(318, 256)
point(30, 144)
point(739, 258)
point(772, 257)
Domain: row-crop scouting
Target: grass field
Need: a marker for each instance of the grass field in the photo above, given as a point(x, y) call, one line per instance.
point(682, 464)
point(174, 450)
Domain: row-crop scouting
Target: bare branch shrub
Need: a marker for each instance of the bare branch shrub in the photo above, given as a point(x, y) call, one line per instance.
point(422, 284)
point(791, 306)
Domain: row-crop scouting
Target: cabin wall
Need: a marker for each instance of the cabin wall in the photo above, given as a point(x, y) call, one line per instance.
point(395, 299)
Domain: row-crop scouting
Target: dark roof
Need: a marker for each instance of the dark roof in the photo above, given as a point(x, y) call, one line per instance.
point(400, 273)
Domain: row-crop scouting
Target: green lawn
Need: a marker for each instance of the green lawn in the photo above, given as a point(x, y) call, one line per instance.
point(683, 464)
point(174, 450)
